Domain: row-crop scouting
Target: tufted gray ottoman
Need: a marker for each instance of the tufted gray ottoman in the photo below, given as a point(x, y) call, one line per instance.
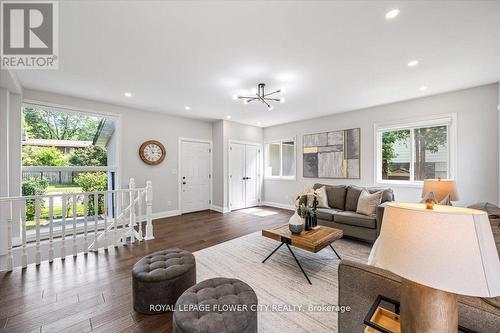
point(219, 305)
point(160, 278)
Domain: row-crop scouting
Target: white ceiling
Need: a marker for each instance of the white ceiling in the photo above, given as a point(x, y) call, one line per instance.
point(331, 56)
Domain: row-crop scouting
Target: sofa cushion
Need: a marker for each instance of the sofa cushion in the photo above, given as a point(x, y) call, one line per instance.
point(325, 213)
point(387, 193)
point(335, 194)
point(355, 219)
point(352, 197)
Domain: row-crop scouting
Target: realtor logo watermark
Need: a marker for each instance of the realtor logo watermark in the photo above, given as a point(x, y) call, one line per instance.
point(29, 34)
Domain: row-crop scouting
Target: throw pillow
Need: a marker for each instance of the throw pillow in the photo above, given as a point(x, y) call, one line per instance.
point(336, 196)
point(352, 197)
point(310, 197)
point(322, 197)
point(368, 203)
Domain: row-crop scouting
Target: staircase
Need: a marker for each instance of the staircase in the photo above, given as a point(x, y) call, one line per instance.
point(118, 220)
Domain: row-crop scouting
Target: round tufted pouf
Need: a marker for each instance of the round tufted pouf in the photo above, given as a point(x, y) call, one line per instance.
point(160, 278)
point(218, 305)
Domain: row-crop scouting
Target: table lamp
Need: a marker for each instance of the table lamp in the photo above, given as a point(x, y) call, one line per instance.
point(438, 253)
point(440, 191)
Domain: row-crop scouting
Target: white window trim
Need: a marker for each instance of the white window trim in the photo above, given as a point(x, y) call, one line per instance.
point(450, 120)
point(280, 141)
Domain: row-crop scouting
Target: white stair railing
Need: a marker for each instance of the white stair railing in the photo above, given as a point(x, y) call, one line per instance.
point(117, 220)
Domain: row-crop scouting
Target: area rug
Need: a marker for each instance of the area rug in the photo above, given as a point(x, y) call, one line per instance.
point(287, 302)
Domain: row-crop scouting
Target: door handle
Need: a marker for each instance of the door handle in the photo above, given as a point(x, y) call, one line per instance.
point(249, 178)
point(183, 183)
point(244, 178)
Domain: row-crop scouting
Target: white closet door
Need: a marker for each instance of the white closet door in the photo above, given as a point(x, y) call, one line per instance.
point(195, 176)
point(252, 176)
point(237, 174)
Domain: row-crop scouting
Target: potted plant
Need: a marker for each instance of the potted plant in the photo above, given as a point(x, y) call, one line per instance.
point(307, 213)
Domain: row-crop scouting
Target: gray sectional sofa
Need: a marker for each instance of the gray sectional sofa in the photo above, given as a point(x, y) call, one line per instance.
point(341, 214)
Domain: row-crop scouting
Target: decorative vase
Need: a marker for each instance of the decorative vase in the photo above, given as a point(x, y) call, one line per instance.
point(308, 224)
point(296, 224)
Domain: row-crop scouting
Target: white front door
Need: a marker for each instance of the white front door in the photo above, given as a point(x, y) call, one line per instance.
point(195, 176)
point(244, 175)
point(252, 176)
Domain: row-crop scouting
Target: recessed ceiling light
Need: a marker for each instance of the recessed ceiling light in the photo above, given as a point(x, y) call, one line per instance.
point(228, 117)
point(282, 100)
point(187, 107)
point(235, 97)
point(127, 94)
point(413, 63)
point(392, 14)
point(422, 88)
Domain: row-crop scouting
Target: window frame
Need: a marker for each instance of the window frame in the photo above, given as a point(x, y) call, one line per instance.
point(448, 120)
point(116, 167)
point(266, 156)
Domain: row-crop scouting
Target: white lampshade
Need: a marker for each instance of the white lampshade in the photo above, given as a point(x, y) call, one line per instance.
point(440, 188)
point(448, 248)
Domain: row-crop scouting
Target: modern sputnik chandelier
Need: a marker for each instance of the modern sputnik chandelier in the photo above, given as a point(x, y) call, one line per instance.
point(260, 95)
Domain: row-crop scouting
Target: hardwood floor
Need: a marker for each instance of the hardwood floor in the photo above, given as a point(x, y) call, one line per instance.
point(93, 293)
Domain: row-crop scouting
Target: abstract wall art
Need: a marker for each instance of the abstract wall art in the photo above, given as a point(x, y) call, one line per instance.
point(332, 154)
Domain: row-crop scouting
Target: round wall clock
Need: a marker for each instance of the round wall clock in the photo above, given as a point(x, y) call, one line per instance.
point(152, 152)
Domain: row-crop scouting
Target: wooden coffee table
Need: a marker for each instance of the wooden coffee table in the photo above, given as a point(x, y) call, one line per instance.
point(311, 240)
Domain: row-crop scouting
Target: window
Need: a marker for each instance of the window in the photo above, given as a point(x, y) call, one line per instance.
point(66, 151)
point(280, 159)
point(411, 152)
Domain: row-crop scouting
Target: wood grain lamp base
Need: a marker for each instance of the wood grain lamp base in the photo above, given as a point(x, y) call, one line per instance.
point(426, 310)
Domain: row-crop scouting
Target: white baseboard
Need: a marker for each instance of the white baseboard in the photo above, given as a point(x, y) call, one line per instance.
point(167, 213)
point(219, 209)
point(277, 205)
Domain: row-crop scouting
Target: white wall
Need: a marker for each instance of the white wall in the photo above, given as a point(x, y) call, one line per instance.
point(4, 141)
point(10, 149)
point(498, 109)
point(477, 147)
point(218, 165)
point(137, 126)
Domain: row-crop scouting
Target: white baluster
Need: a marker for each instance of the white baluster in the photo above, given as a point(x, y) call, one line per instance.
point(140, 197)
point(22, 214)
point(51, 229)
point(85, 223)
point(96, 213)
point(10, 258)
point(73, 208)
point(124, 225)
point(115, 218)
point(63, 227)
point(149, 210)
point(38, 257)
point(105, 211)
point(132, 209)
